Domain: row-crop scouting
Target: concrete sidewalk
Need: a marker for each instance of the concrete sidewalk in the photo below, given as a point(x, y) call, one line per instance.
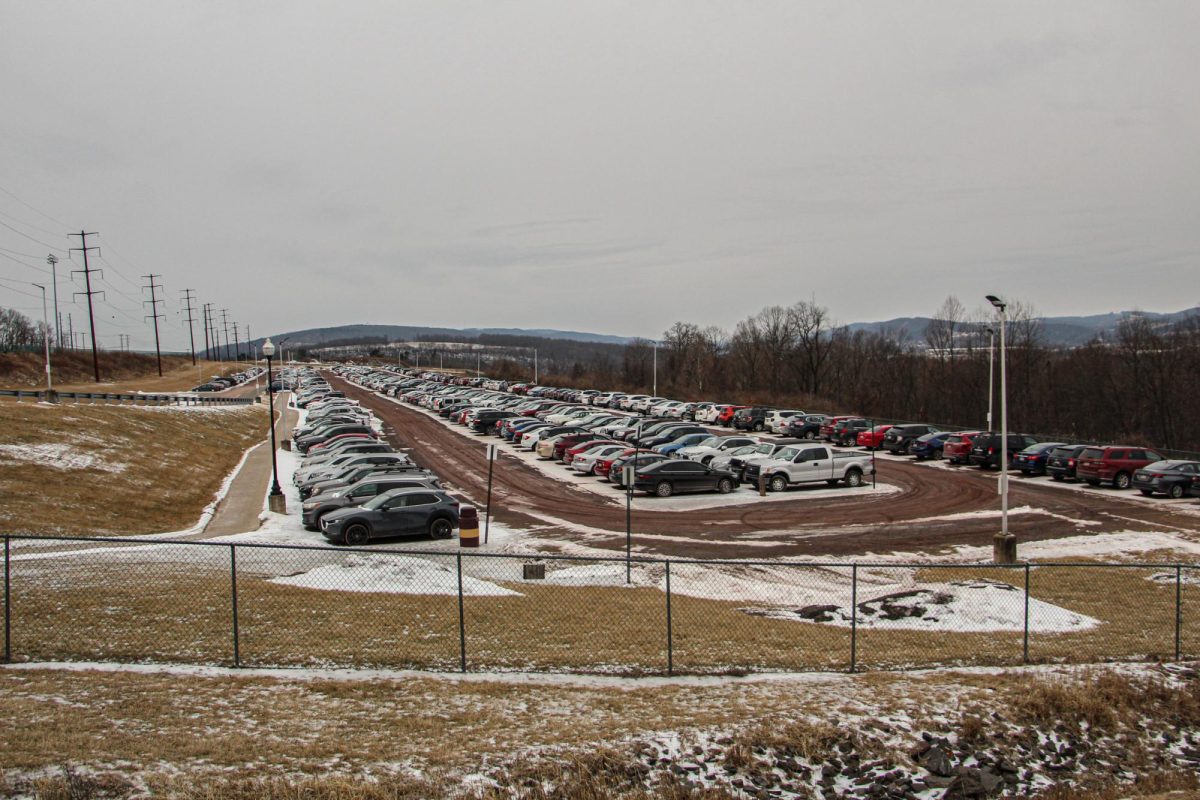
point(239, 510)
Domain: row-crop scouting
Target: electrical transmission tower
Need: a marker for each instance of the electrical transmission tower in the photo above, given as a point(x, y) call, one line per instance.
point(237, 346)
point(188, 297)
point(225, 326)
point(154, 314)
point(87, 275)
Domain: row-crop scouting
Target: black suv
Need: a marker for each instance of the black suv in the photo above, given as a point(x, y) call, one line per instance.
point(846, 432)
point(805, 427)
point(900, 438)
point(985, 449)
point(751, 419)
point(319, 505)
point(1060, 463)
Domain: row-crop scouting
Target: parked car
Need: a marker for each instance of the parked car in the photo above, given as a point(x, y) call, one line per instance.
point(957, 447)
point(319, 505)
point(846, 431)
point(713, 446)
point(986, 449)
point(872, 439)
point(1032, 460)
point(753, 418)
point(809, 463)
point(930, 446)
point(726, 415)
point(1062, 460)
point(806, 426)
point(900, 438)
point(676, 475)
point(1114, 464)
point(636, 460)
point(777, 421)
point(1172, 478)
point(400, 512)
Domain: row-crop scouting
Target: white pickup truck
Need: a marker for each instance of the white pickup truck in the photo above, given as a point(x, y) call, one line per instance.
point(810, 463)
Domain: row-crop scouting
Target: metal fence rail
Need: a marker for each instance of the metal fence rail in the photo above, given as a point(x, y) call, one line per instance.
point(133, 398)
point(131, 599)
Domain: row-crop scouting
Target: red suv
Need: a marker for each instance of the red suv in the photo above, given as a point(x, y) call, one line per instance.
point(957, 448)
point(1113, 463)
point(726, 416)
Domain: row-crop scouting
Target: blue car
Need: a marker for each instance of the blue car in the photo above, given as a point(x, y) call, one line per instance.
point(930, 446)
point(1032, 460)
point(682, 442)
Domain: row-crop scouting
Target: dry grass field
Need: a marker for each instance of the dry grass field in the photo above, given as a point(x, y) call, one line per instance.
point(109, 470)
point(119, 372)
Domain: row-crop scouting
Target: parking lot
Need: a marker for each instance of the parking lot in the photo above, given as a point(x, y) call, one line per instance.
point(917, 506)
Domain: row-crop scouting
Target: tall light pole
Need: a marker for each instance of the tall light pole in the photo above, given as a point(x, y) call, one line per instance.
point(46, 342)
point(52, 260)
point(654, 388)
point(1004, 545)
point(991, 372)
point(535, 366)
point(276, 501)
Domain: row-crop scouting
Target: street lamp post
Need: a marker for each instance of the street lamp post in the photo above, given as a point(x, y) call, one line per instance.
point(991, 372)
point(1004, 544)
point(654, 387)
point(50, 396)
point(276, 501)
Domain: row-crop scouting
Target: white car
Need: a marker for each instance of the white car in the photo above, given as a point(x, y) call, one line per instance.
point(568, 415)
point(628, 401)
point(710, 414)
point(585, 462)
point(715, 446)
point(777, 421)
point(722, 461)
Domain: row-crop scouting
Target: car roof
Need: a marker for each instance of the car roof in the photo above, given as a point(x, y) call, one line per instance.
point(411, 490)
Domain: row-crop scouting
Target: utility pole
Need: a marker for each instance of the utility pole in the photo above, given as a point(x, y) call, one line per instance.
point(87, 275)
point(188, 297)
point(225, 325)
point(154, 315)
point(207, 329)
point(237, 347)
point(71, 330)
point(46, 343)
point(52, 260)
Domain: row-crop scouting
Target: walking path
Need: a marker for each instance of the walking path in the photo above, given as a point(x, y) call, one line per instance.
point(239, 510)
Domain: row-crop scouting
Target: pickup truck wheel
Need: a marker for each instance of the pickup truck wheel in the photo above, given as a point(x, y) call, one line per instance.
point(778, 483)
point(725, 485)
point(1122, 480)
point(854, 478)
point(664, 489)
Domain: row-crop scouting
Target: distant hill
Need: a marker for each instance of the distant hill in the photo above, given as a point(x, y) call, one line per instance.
point(1057, 331)
point(319, 336)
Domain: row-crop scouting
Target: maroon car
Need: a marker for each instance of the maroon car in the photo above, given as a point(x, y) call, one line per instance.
point(1113, 464)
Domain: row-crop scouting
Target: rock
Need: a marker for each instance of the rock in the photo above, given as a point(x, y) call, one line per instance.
point(817, 613)
point(937, 761)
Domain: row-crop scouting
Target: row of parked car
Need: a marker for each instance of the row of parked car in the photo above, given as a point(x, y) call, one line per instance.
point(664, 454)
point(219, 383)
point(354, 486)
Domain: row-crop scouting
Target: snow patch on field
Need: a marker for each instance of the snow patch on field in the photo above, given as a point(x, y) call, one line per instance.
point(392, 575)
point(58, 456)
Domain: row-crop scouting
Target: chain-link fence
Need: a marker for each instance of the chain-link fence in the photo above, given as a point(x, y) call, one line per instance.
point(86, 599)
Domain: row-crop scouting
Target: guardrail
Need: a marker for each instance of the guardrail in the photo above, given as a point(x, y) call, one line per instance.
point(131, 398)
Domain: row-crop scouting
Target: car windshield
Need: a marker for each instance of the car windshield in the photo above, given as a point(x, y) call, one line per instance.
point(711, 441)
point(765, 447)
point(745, 451)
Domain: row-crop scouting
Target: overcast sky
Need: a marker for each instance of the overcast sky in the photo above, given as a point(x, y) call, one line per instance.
point(603, 166)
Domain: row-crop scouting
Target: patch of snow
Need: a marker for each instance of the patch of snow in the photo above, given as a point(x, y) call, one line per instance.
point(392, 575)
point(58, 456)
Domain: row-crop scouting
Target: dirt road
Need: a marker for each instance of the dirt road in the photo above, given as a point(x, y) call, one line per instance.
point(934, 507)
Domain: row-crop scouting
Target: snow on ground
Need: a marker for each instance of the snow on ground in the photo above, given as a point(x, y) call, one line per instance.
point(972, 606)
point(391, 575)
point(1102, 546)
point(58, 456)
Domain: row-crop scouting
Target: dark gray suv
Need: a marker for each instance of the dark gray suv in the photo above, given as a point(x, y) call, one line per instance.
point(400, 512)
point(319, 505)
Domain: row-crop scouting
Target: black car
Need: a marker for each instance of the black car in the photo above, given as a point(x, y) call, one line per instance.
point(485, 421)
point(305, 442)
point(669, 435)
point(615, 474)
point(985, 449)
point(805, 427)
point(1172, 478)
point(1032, 460)
point(1061, 461)
point(676, 475)
point(751, 419)
point(400, 512)
point(319, 505)
point(900, 438)
point(846, 431)
point(359, 473)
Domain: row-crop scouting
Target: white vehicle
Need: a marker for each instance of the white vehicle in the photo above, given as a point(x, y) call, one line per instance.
point(665, 409)
point(722, 461)
point(715, 446)
point(809, 463)
point(777, 421)
point(628, 401)
point(585, 462)
point(568, 415)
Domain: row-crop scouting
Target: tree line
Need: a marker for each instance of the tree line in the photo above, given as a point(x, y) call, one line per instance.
point(18, 332)
point(1137, 388)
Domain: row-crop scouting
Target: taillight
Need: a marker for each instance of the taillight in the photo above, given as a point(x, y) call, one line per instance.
point(643, 477)
point(1070, 462)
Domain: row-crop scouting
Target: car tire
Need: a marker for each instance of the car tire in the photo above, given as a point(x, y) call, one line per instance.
point(1122, 481)
point(725, 485)
point(664, 489)
point(1176, 492)
point(441, 528)
point(854, 478)
point(777, 483)
point(758, 427)
point(356, 535)
point(810, 435)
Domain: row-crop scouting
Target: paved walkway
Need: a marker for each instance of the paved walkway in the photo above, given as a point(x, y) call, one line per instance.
point(239, 510)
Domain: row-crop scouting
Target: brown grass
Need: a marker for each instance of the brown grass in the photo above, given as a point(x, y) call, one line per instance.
point(119, 372)
point(174, 461)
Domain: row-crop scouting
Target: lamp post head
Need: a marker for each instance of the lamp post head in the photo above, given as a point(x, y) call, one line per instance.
point(268, 349)
point(997, 302)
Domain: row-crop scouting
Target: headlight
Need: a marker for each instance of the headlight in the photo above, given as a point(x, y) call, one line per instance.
point(310, 506)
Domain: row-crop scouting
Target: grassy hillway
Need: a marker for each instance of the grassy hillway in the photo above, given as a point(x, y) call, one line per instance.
point(119, 372)
point(84, 469)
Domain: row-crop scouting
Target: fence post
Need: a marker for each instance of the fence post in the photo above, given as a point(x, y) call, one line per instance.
point(7, 602)
point(1178, 609)
point(1025, 642)
point(237, 653)
point(462, 628)
point(853, 617)
point(670, 638)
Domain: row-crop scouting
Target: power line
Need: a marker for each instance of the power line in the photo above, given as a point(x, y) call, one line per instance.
point(36, 210)
point(20, 221)
point(87, 275)
point(154, 315)
point(31, 238)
